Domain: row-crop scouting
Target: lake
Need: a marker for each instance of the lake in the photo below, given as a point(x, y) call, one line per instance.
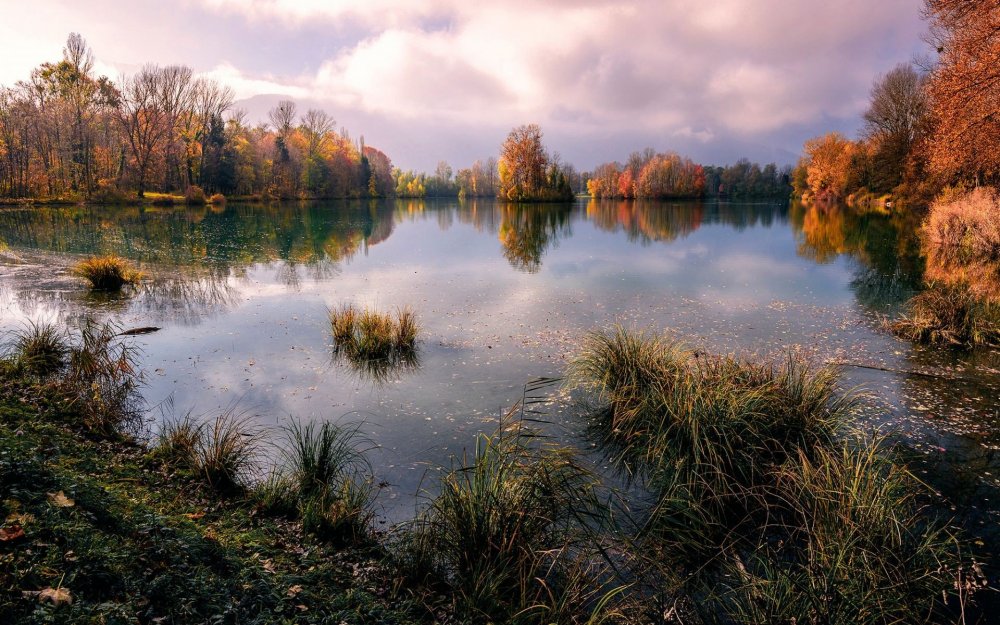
point(503, 294)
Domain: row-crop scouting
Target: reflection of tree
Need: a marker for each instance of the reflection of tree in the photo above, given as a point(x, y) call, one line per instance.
point(884, 248)
point(233, 238)
point(647, 221)
point(527, 230)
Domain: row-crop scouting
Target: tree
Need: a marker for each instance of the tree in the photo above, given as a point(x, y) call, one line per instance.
point(144, 119)
point(829, 164)
point(964, 88)
point(894, 122)
point(522, 163)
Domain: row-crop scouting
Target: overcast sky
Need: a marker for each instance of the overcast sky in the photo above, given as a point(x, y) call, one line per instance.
point(447, 79)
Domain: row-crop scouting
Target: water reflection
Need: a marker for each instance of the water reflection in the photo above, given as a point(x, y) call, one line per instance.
point(885, 250)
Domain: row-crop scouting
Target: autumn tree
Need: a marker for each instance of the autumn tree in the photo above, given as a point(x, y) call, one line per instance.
point(522, 163)
point(144, 119)
point(964, 88)
point(828, 165)
point(894, 122)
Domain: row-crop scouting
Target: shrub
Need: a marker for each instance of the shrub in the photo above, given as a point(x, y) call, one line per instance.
point(966, 227)
point(217, 199)
point(107, 273)
point(194, 196)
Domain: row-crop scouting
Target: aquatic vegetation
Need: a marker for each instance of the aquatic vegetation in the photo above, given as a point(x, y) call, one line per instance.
point(949, 314)
point(107, 273)
point(507, 530)
point(41, 348)
point(759, 486)
point(375, 344)
point(860, 548)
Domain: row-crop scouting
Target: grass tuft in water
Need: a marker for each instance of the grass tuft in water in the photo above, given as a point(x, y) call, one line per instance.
point(507, 530)
point(760, 488)
point(107, 273)
point(858, 548)
point(375, 344)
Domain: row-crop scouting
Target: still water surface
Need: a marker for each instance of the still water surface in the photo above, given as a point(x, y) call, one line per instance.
point(503, 294)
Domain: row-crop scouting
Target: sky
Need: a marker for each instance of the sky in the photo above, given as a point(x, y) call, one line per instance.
point(424, 81)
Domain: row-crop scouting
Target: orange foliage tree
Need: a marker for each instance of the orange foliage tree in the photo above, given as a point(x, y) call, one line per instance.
point(965, 88)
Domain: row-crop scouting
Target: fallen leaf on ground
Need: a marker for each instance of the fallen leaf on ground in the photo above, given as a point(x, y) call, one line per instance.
point(57, 596)
point(60, 500)
point(11, 533)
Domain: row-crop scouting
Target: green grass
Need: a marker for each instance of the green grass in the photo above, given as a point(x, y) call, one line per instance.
point(107, 273)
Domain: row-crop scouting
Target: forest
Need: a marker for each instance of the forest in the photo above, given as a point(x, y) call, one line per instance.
point(68, 135)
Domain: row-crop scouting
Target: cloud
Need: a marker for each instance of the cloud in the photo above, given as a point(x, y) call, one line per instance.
point(679, 67)
point(245, 86)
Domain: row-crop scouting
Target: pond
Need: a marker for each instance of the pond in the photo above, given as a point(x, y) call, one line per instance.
point(503, 294)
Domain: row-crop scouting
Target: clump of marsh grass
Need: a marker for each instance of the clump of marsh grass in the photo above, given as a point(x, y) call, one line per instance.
point(375, 344)
point(178, 441)
point(107, 273)
point(508, 530)
point(755, 491)
point(41, 348)
point(950, 314)
point(857, 548)
point(716, 421)
point(325, 480)
point(103, 380)
point(225, 449)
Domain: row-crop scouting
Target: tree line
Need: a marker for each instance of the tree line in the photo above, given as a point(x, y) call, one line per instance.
point(66, 133)
point(926, 127)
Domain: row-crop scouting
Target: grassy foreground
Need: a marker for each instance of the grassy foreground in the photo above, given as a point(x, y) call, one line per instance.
point(98, 529)
point(754, 503)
